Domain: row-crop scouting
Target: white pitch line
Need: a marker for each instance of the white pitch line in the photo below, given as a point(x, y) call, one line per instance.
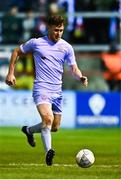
point(57, 165)
point(35, 164)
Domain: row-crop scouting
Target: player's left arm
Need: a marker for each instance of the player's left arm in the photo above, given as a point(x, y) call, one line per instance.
point(78, 74)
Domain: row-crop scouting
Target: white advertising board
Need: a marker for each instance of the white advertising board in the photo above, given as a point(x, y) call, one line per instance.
point(17, 109)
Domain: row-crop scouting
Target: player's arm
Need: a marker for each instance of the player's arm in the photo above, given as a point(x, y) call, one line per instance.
point(10, 78)
point(78, 74)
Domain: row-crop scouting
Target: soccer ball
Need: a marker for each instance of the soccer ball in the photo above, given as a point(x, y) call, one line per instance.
point(85, 158)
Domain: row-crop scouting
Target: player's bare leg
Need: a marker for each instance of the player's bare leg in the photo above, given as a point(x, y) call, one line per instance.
point(56, 122)
point(47, 120)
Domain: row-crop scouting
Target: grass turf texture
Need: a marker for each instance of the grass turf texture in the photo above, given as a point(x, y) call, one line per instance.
point(20, 161)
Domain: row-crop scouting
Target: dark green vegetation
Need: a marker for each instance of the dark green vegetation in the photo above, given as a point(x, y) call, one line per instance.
point(20, 161)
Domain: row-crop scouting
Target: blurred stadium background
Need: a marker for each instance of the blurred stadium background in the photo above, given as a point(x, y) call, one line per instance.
point(94, 29)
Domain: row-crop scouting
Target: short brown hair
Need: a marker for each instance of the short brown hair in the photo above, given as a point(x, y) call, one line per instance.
point(55, 20)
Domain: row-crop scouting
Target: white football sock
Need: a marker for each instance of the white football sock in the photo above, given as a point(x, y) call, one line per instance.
point(34, 129)
point(46, 138)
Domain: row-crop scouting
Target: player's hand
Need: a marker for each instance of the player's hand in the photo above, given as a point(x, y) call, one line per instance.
point(10, 80)
point(84, 80)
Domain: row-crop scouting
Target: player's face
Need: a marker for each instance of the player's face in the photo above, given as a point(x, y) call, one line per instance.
point(55, 32)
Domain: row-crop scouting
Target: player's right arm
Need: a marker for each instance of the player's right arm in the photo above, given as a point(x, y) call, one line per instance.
point(10, 78)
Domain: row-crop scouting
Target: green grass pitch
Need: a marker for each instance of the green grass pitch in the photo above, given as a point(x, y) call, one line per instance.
point(20, 161)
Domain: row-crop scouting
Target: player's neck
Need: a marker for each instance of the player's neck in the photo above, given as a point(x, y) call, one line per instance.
point(51, 39)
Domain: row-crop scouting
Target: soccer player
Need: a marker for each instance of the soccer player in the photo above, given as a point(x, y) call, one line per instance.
point(50, 53)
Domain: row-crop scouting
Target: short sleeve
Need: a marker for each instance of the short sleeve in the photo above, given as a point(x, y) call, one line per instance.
point(70, 58)
point(28, 46)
